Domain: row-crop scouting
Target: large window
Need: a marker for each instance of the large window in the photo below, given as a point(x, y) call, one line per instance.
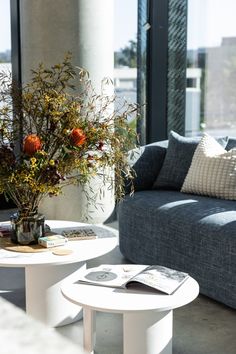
point(5, 40)
point(125, 50)
point(211, 67)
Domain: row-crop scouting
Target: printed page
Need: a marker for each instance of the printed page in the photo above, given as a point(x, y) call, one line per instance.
point(111, 275)
point(161, 278)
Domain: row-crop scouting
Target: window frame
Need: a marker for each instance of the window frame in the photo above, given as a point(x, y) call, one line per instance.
point(16, 41)
point(157, 66)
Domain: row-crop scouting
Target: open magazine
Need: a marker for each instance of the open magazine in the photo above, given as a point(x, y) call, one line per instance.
point(126, 276)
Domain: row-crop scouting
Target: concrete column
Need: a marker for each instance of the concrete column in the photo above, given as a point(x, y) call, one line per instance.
point(95, 42)
point(49, 29)
point(95, 53)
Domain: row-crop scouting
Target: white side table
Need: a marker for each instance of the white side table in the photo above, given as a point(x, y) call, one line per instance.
point(45, 272)
point(147, 316)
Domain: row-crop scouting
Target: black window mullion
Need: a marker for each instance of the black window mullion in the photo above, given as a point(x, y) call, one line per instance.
point(143, 27)
point(157, 67)
point(16, 41)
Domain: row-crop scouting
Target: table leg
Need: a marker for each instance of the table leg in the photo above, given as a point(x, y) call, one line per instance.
point(147, 332)
point(89, 330)
point(44, 300)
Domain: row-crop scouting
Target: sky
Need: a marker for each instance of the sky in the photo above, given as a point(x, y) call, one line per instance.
point(208, 22)
point(125, 22)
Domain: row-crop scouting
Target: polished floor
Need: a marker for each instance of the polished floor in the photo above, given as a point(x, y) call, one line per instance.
point(202, 327)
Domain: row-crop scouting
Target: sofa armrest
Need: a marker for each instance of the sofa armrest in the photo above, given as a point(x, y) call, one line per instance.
point(147, 162)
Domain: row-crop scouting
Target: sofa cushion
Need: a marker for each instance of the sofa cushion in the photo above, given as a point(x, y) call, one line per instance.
point(147, 162)
point(178, 160)
point(212, 171)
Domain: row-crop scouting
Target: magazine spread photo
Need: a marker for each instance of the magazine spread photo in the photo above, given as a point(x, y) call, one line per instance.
point(126, 276)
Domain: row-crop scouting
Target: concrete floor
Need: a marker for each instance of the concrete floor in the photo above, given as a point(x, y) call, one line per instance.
point(202, 327)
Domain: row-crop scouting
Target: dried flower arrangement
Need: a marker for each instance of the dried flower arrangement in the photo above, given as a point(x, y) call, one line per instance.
point(51, 137)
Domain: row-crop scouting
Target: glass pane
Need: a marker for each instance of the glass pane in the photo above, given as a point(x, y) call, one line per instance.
point(211, 67)
point(5, 59)
point(143, 28)
point(125, 50)
point(5, 40)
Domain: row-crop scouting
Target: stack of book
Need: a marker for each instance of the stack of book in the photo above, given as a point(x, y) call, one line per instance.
point(51, 239)
point(5, 230)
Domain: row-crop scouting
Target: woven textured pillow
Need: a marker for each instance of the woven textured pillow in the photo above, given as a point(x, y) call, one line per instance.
point(212, 171)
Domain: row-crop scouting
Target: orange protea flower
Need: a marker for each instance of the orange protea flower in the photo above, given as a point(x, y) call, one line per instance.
point(31, 144)
point(77, 137)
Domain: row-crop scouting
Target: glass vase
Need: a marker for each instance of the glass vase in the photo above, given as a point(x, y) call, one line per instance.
point(27, 229)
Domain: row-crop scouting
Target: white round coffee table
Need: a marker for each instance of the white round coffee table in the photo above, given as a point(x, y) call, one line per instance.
point(45, 272)
point(147, 316)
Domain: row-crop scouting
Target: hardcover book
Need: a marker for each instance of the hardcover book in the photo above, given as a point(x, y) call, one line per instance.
point(82, 233)
point(127, 276)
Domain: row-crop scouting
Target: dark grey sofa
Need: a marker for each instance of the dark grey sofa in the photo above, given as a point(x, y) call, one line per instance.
point(191, 233)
